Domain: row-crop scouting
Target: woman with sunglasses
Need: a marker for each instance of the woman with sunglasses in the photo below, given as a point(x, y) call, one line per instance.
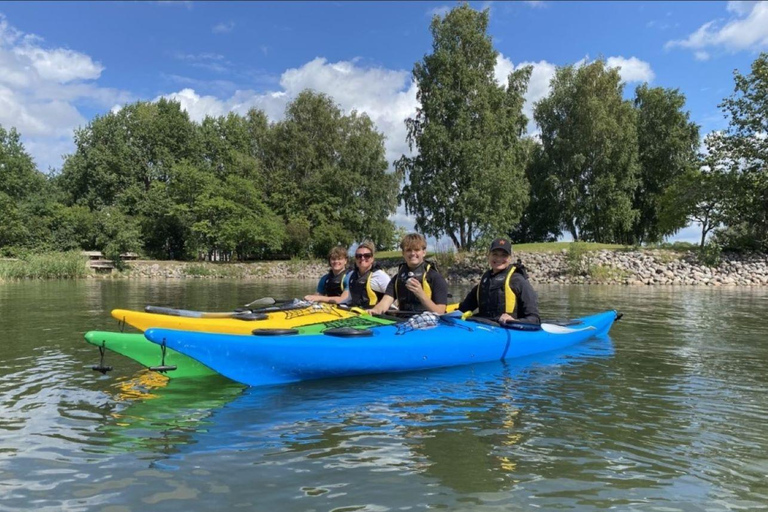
point(367, 282)
point(336, 280)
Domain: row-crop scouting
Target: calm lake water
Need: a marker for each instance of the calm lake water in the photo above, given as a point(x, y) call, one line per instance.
point(668, 414)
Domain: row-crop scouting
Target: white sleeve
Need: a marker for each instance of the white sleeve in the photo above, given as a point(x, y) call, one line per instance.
point(380, 281)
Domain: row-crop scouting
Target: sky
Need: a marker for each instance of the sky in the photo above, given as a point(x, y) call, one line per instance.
point(62, 63)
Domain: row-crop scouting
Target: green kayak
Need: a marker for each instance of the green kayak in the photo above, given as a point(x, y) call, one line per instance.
point(146, 353)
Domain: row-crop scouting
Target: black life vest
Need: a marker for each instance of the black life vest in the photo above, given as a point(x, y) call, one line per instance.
point(406, 300)
point(495, 295)
point(334, 285)
point(360, 291)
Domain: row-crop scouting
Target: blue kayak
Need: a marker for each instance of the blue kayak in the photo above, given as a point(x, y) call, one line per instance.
point(264, 360)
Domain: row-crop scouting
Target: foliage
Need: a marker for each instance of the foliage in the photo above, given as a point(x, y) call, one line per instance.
point(297, 241)
point(330, 169)
point(118, 233)
point(589, 141)
point(710, 254)
point(468, 176)
point(740, 155)
point(68, 265)
point(540, 221)
point(18, 175)
point(328, 236)
point(668, 142)
point(578, 260)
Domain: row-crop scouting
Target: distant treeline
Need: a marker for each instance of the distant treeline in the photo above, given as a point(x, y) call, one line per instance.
point(148, 179)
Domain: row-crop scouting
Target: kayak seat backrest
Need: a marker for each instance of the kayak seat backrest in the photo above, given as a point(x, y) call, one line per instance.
point(348, 332)
point(275, 332)
point(522, 326)
point(250, 317)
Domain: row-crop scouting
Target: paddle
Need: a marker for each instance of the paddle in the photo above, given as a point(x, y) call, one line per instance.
point(262, 303)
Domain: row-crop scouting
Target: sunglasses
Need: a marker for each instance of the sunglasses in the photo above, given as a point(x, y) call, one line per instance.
point(363, 256)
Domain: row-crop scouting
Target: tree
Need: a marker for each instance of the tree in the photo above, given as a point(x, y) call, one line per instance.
point(120, 155)
point(589, 140)
point(541, 219)
point(740, 153)
point(22, 189)
point(19, 176)
point(668, 144)
point(326, 168)
point(468, 176)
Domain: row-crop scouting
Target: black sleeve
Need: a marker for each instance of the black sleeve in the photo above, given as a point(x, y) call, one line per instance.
point(470, 301)
point(391, 287)
point(439, 287)
point(527, 301)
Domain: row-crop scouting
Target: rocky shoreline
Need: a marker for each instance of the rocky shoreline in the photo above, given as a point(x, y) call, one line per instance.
point(632, 268)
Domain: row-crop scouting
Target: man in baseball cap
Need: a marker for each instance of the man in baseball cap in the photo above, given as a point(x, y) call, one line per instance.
point(501, 244)
point(504, 293)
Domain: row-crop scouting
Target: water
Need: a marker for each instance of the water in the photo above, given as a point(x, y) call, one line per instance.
point(668, 414)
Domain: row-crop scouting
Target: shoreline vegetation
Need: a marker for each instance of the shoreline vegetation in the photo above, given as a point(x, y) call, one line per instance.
point(547, 263)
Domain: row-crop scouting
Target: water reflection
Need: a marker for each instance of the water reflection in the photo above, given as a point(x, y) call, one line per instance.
point(152, 413)
point(668, 416)
point(460, 426)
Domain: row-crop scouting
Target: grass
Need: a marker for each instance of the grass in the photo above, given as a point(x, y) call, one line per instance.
point(225, 270)
point(67, 265)
point(559, 246)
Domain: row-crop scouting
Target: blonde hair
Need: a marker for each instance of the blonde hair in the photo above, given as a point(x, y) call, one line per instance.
point(368, 245)
point(413, 241)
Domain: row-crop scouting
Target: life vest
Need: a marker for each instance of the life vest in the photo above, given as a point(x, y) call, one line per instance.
point(406, 300)
point(360, 291)
point(495, 295)
point(333, 286)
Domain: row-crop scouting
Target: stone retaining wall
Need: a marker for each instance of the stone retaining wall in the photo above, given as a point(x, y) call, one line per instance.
point(652, 267)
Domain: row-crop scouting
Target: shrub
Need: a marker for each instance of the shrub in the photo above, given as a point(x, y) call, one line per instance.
point(578, 259)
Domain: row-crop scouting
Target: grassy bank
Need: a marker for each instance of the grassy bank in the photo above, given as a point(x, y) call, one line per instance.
point(68, 265)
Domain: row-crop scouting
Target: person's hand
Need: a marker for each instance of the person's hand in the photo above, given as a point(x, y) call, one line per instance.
point(505, 317)
point(414, 286)
point(313, 298)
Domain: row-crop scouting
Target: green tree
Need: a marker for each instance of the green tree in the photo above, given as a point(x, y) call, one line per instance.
point(740, 153)
point(24, 192)
point(120, 155)
point(541, 218)
point(668, 144)
point(19, 176)
point(327, 168)
point(468, 176)
point(589, 139)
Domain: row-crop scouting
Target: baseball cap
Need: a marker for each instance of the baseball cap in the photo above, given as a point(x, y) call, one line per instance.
point(501, 244)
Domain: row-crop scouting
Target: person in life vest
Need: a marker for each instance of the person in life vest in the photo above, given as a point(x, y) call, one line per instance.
point(504, 293)
point(366, 283)
point(417, 286)
point(336, 280)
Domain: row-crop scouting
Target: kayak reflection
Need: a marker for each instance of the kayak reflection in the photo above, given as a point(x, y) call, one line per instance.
point(461, 426)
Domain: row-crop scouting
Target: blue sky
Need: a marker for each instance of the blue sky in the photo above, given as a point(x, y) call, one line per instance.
point(61, 63)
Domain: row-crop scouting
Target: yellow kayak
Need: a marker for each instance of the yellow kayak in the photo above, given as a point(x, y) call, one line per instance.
point(236, 324)
point(243, 323)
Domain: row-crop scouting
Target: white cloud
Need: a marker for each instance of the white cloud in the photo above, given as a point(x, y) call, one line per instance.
point(223, 28)
point(701, 55)
point(747, 29)
point(441, 10)
point(60, 65)
point(387, 96)
point(40, 90)
point(631, 69)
